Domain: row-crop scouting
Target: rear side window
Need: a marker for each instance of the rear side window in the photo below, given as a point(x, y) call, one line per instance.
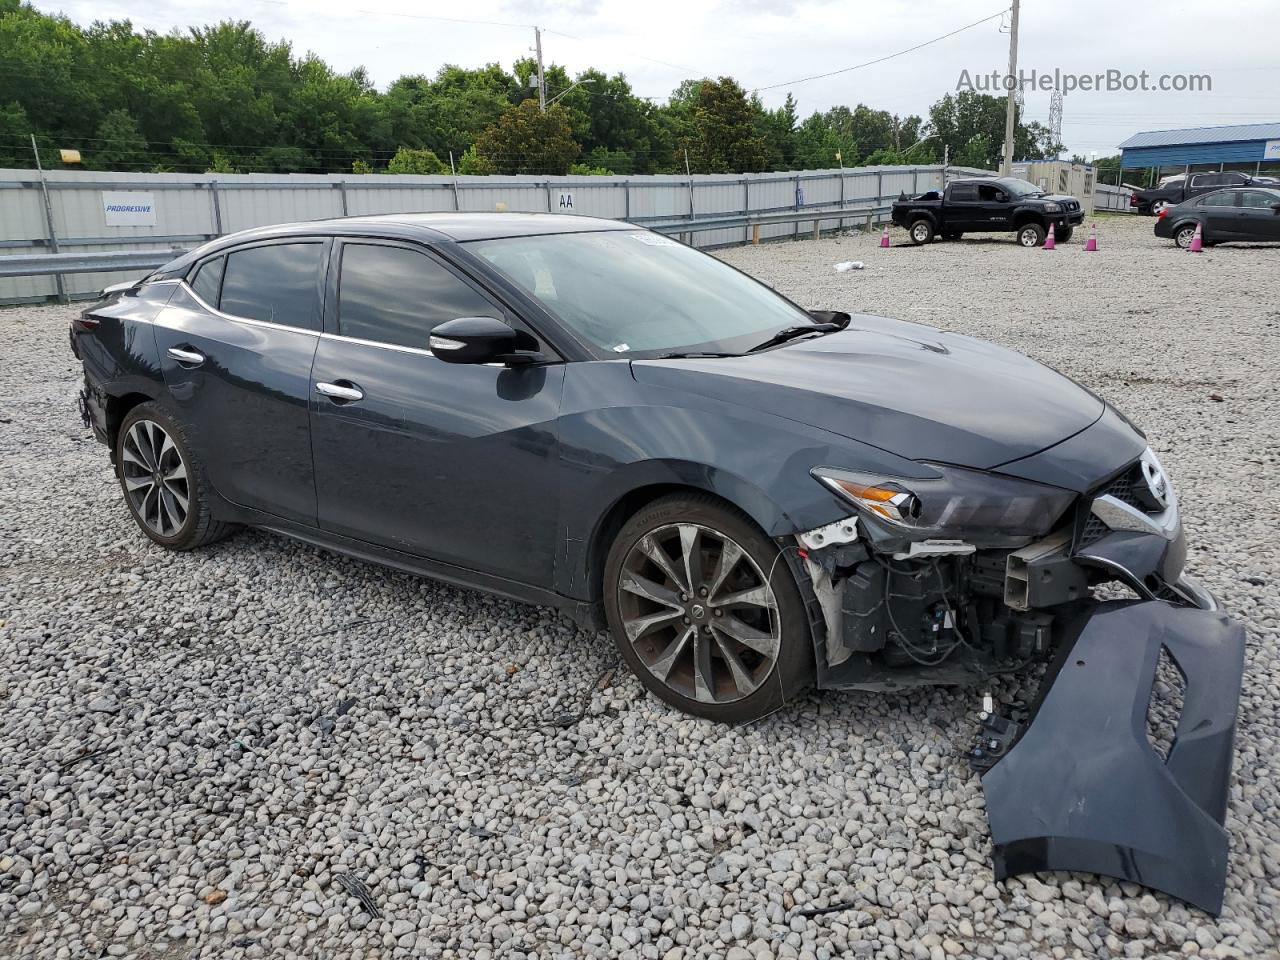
point(395, 295)
point(964, 191)
point(278, 283)
point(208, 280)
point(1219, 199)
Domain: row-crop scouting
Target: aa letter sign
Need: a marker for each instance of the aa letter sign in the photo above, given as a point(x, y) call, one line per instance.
point(130, 208)
point(566, 203)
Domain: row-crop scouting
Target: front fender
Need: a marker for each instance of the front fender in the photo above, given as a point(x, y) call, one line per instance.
point(648, 436)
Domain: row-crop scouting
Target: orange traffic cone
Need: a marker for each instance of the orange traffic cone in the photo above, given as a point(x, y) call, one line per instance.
point(1197, 241)
point(1048, 241)
point(884, 237)
point(1092, 243)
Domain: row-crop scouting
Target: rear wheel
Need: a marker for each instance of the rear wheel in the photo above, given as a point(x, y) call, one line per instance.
point(705, 610)
point(1157, 207)
point(921, 231)
point(1031, 235)
point(1184, 235)
point(163, 482)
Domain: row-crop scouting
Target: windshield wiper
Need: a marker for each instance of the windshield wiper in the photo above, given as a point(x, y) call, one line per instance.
point(790, 333)
point(695, 355)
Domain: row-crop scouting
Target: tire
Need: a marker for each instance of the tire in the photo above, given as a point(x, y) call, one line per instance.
point(686, 651)
point(921, 231)
point(1183, 235)
point(952, 235)
point(1031, 235)
point(1064, 236)
point(1157, 206)
point(153, 486)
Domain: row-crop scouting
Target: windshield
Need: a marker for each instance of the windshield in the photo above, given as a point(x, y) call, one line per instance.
point(1020, 188)
point(642, 294)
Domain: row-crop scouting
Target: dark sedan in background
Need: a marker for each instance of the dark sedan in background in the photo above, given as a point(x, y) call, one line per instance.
point(751, 496)
point(1248, 215)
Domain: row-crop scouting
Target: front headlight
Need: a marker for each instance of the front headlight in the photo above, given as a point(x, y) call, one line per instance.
point(1053, 208)
point(960, 504)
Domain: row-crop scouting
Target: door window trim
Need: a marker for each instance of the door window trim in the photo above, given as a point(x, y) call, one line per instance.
point(325, 243)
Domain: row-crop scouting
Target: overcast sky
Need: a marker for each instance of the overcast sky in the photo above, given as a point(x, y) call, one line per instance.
point(657, 43)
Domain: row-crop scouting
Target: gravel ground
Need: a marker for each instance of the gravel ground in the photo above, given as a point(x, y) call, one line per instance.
point(261, 750)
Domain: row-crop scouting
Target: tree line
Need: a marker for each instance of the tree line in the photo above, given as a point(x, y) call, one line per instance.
point(225, 99)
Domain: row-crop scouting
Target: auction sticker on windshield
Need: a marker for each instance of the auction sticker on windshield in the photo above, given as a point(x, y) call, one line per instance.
point(654, 239)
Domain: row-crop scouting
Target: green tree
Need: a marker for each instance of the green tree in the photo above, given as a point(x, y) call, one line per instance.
point(118, 144)
point(723, 138)
point(422, 162)
point(473, 165)
point(526, 139)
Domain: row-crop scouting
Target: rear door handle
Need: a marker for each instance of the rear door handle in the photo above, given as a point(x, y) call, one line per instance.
point(191, 358)
point(343, 391)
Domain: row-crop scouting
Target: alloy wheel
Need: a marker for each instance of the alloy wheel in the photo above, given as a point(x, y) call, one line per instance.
point(1185, 236)
point(699, 613)
point(155, 476)
point(920, 233)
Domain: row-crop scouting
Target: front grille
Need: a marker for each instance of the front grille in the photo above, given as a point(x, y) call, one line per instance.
point(1128, 488)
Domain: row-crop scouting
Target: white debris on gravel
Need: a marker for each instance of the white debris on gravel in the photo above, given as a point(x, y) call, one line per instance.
point(262, 750)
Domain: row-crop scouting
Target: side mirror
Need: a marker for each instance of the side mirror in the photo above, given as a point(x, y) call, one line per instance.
point(481, 340)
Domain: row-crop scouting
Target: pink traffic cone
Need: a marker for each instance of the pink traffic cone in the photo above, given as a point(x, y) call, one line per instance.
point(1048, 241)
point(1197, 241)
point(1092, 243)
point(884, 237)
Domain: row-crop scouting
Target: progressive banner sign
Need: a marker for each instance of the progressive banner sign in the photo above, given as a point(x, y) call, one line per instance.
point(129, 208)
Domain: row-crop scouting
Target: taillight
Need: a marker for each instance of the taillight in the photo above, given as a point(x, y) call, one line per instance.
point(1164, 212)
point(85, 323)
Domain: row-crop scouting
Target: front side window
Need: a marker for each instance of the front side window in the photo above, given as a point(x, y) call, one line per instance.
point(1259, 199)
point(395, 295)
point(638, 293)
point(990, 194)
point(278, 283)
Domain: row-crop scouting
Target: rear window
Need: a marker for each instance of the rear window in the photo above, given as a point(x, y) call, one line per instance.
point(278, 283)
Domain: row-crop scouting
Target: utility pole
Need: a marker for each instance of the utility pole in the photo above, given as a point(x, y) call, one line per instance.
point(542, 84)
point(1011, 108)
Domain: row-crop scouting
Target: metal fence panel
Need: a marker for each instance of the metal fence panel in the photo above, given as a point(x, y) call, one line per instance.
point(191, 208)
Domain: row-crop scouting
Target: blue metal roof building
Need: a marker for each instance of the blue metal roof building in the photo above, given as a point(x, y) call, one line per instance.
point(1241, 145)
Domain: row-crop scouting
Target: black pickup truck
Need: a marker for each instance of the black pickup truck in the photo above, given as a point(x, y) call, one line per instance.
point(988, 205)
point(1176, 190)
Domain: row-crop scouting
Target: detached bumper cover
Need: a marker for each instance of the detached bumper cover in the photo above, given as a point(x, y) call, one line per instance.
point(1084, 789)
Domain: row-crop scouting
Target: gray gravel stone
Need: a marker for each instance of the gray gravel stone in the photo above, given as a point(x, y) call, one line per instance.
point(228, 782)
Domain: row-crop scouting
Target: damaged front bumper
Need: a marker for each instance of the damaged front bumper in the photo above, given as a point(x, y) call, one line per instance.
point(1080, 786)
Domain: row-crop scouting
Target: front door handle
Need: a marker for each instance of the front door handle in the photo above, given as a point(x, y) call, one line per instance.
point(192, 358)
point(343, 391)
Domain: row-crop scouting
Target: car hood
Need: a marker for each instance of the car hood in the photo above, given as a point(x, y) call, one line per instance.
point(912, 390)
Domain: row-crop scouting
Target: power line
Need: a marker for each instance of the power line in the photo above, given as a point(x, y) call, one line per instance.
point(871, 63)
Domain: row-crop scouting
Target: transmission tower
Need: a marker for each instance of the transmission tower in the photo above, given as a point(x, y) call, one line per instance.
point(1055, 120)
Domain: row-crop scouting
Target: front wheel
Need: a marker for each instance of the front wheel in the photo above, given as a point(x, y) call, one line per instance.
point(164, 483)
point(705, 611)
point(1031, 235)
point(1064, 235)
point(921, 231)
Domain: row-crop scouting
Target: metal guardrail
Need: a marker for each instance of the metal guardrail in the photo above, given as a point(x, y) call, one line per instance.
point(57, 264)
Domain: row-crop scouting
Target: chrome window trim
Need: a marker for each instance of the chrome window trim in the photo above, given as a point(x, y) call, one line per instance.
point(235, 319)
point(421, 351)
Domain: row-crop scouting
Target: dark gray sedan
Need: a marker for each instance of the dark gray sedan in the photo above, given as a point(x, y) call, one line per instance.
point(753, 497)
point(1247, 215)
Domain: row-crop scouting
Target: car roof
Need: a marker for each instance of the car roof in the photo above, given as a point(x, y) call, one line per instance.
point(453, 226)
